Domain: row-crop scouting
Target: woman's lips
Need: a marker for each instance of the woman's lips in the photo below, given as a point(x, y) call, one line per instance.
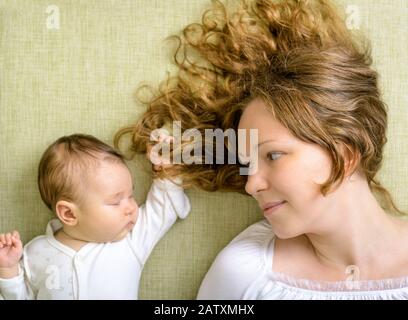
point(272, 206)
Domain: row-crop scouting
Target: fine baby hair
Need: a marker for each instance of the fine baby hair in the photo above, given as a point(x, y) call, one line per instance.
point(67, 163)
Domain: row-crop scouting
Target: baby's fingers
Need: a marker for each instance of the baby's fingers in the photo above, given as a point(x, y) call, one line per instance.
point(16, 240)
point(166, 138)
point(3, 242)
point(8, 239)
point(15, 235)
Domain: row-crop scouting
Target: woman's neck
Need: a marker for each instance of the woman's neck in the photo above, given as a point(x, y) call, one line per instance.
point(354, 234)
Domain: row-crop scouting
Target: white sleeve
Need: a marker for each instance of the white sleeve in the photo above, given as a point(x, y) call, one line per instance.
point(237, 266)
point(165, 202)
point(225, 280)
point(16, 288)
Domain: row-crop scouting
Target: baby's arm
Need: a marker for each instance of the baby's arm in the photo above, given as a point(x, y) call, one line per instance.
point(166, 201)
point(12, 285)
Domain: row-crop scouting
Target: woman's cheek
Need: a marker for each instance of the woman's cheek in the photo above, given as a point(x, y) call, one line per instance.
point(287, 179)
point(316, 167)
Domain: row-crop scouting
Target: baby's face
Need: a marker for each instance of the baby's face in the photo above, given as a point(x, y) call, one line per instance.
point(109, 211)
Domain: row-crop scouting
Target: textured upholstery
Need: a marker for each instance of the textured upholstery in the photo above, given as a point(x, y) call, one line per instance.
point(80, 76)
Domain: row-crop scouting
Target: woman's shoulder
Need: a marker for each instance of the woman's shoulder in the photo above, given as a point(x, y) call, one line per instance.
point(255, 234)
point(238, 264)
point(250, 245)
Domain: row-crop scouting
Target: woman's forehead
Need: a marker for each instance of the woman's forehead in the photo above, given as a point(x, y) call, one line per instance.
point(257, 116)
point(256, 112)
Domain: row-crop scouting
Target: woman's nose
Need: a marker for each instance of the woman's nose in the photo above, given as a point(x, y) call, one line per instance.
point(255, 183)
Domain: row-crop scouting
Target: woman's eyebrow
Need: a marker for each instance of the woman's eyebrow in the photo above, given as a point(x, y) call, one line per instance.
point(266, 141)
point(243, 157)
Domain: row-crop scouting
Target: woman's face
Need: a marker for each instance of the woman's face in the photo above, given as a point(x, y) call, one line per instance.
point(288, 174)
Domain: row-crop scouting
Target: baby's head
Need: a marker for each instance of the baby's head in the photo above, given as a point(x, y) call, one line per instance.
point(87, 184)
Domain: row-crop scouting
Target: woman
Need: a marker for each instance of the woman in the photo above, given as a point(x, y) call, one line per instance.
point(333, 239)
point(292, 71)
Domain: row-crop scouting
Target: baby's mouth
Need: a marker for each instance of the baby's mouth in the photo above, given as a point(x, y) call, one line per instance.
point(130, 224)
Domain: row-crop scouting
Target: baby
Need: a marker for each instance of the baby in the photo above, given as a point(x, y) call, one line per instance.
point(97, 247)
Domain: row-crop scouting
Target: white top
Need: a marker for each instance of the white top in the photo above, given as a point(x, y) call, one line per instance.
point(243, 270)
point(109, 270)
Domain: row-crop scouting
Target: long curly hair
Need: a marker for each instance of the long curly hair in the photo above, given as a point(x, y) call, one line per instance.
point(298, 57)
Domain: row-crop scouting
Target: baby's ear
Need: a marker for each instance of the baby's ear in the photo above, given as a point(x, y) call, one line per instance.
point(66, 212)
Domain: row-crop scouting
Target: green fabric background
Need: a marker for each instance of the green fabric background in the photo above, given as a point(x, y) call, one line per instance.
point(81, 78)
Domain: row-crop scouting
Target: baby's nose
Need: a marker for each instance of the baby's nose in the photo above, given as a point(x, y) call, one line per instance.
point(130, 209)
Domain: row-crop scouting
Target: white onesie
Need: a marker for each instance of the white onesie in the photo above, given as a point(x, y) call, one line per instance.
point(112, 270)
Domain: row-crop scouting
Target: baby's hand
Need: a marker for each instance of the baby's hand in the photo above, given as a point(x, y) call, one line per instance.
point(157, 160)
point(11, 250)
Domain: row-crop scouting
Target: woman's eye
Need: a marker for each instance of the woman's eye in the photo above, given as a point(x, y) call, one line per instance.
point(273, 156)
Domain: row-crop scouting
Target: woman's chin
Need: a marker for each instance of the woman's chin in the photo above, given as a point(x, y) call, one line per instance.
point(284, 232)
